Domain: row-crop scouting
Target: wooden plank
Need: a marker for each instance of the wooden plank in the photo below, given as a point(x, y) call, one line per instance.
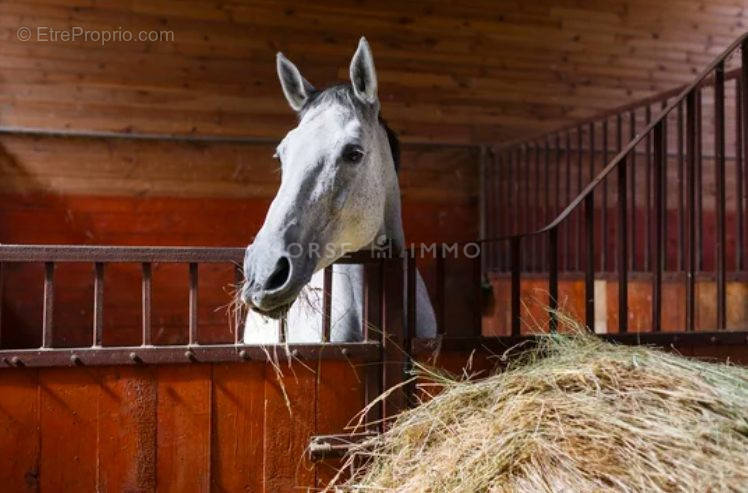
point(184, 426)
point(127, 431)
point(19, 430)
point(340, 397)
point(237, 433)
point(69, 429)
point(289, 423)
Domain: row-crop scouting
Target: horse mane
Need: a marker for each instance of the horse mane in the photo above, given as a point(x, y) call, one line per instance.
point(343, 94)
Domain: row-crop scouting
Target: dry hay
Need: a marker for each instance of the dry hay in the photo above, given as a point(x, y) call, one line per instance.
point(575, 414)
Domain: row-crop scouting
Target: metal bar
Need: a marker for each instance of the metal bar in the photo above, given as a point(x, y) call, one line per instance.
point(410, 326)
point(193, 305)
point(49, 302)
point(553, 278)
point(604, 218)
point(658, 250)
point(557, 209)
point(215, 353)
point(546, 205)
point(577, 221)
point(516, 262)
point(719, 171)
point(498, 345)
point(440, 291)
point(326, 303)
point(483, 194)
point(76, 253)
point(238, 308)
point(537, 260)
point(146, 296)
point(739, 163)
point(527, 259)
point(568, 233)
point(663, 188)
point(699, 187)
point(589, 270)
point(634, 219)
point(743, 104)
point(2, 291)
point(623, 254)
point(592, 177)
point(508, 208)
point(619, 145)
point(98, 304)
point(648, 193)
point(680, 252)
point(691, 209)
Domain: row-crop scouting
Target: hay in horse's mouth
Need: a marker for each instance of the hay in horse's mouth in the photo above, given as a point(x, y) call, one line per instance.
point(274, 313)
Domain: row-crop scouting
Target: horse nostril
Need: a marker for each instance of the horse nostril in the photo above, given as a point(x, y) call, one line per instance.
point(280, 275)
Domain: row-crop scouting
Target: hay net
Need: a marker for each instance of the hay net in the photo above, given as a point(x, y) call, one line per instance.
point(574, 414)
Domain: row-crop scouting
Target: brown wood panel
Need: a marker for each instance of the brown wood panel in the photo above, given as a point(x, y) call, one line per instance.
point(340, 397)
point(19, 430)
point(238, 427)
point(290, 419)
point(68, 425)
point(183, 428)
point(461, 72)
point(126, 448)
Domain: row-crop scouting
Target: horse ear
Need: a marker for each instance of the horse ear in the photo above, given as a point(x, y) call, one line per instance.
point(363, 74)
point(295, 87)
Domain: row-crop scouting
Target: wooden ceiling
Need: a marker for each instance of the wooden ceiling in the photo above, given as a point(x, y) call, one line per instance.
point(459, 72)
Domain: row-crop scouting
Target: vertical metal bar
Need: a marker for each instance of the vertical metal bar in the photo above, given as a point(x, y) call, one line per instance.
point(508, 208)
point(528, 217)
point(483, 191)
point(569, 236)
point(721, 199)
point(410, 327)
point(577, 219)
point(546, 215)
point(648, 192)
point(238, 311)
point(658, 250)
point(537, 260)
point(740, 226)
point(680, 253)
point(634, 219)
point(591, 177)
point(589, 270)
point(619, 144)
point(49, 303)
point(326, 303)
point(604, 218)
point(98, 304)
point(146, 296)
point(553, 278)
point(699, 186)
point(623, 254)
point(743, 184)
point(510, 184)
point(2, 286)
point(193, 304)
point(663, 188)
point(516, 262)
point(691, 209)
point(440, 291)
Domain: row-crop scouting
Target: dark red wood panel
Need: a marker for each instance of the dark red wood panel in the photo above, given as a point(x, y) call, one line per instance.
point(238, 427)
point(19, 430)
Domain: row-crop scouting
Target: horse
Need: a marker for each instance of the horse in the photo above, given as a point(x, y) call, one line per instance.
point(339, 193)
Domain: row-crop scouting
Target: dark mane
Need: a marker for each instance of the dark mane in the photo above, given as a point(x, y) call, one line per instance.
point(343, 94)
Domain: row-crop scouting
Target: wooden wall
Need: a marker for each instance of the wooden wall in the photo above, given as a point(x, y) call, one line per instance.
point(477, 71)
point(174, 428)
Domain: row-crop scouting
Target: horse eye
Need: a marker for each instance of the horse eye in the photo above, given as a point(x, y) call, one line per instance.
point(353, 154)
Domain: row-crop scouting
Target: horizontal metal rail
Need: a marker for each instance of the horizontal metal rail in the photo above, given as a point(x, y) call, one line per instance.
point(210, 353)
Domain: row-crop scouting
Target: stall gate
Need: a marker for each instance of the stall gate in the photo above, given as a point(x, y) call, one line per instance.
point(191, 417)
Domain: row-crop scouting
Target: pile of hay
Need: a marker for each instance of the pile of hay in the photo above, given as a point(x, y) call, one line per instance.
point(575, 414)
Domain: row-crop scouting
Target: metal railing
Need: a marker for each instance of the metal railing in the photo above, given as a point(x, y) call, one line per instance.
point(584, 245)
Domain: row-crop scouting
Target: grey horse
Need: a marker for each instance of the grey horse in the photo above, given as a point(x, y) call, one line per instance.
point(339, 193)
